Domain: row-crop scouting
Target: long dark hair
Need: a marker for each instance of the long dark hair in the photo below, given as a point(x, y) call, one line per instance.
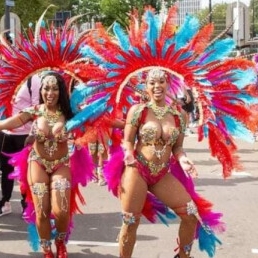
point(63, 99)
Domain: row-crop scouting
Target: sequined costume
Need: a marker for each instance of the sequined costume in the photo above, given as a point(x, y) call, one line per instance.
point(49, 166)
point(149, 170)
point(78, 160)
point(208, 221)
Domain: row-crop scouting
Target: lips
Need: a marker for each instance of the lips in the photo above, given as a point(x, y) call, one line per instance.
point(157, 93)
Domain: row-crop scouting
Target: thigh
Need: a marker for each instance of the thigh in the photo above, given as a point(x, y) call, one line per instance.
point(37, 174)
point(170, 191)
point(133, 191)
point(39, 182)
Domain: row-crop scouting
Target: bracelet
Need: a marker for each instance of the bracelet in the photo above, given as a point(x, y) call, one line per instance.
point(179, 155)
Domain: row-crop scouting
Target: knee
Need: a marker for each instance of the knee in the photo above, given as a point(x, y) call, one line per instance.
point(43, 215)
point(188, 213)
point(190, 220)
point(130, 223)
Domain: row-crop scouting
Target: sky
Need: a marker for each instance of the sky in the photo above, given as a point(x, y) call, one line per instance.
point(205, 3)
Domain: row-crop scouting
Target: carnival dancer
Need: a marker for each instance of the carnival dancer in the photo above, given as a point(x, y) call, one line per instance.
point(49, 178)
point(152, 171)
point(52, 168)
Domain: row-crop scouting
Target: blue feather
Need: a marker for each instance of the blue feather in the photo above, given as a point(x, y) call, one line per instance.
point(165, 217)
point(208, 241)
point(152, 31)
point(219, 50)
point(121, 37)
point(90, 112)
point(186, 32)
point(237, 129)
point(86, 51)
point(242, 78)
point(248, 100)
point(136, 51)
point(33, 237)
point(79, 95)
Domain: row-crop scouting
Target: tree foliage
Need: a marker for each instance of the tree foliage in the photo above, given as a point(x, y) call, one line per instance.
point(254, 17)
point(218, 17)
point(29, 11)
point(106, 11)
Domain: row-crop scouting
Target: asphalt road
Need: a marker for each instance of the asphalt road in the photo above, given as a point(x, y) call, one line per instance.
point(95, 232)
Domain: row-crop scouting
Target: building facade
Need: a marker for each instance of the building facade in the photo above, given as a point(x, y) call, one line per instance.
point(187, 7)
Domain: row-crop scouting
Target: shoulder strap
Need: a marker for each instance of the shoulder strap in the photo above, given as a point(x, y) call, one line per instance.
point(137, 116)
point(29, 86)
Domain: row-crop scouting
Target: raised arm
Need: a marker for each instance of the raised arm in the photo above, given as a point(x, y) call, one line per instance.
point(15, 121)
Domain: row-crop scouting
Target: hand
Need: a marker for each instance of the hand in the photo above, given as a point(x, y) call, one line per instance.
point(188, 166)
point(129, 159)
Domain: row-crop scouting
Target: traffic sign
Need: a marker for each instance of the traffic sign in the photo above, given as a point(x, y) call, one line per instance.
point(9, 3)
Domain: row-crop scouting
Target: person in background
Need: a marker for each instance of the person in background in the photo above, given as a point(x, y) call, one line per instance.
point(187, 102)
point(14, 140)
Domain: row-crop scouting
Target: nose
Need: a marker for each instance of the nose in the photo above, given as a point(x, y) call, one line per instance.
point(50, 91)
point(156, 84)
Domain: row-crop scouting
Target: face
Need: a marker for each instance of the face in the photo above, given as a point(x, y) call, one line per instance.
point(50, 90)
point(156, 84)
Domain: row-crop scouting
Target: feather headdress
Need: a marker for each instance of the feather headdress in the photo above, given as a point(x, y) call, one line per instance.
point(224, 84)
point(42, 50)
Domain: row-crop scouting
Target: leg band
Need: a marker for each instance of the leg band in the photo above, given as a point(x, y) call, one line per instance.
point(186, 249)
point(62, 185)
point(61, 236)
point(45, 244)
point(129, 218)
point(92, 148)
point(40, 189)
point(101, 148)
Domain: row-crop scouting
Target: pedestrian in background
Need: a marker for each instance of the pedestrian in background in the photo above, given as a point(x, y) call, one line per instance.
point(13, 141)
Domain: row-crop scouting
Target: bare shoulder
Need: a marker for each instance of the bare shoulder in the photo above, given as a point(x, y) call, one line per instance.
point(135, 107)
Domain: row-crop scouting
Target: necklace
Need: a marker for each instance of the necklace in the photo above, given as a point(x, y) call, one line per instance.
point(159, 112)
point(52, 118)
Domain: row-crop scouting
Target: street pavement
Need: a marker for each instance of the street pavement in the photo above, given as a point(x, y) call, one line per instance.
point(95, 232)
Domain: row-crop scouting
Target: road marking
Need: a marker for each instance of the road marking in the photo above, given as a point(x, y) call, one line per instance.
point(241, 174)
point(92, 243)
point(255, 251)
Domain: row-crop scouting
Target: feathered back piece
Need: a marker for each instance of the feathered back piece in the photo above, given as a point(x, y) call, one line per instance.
point(224, 85)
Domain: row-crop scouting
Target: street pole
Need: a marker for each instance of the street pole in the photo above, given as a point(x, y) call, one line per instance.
point(253, 20)
point(7, 24)
point(238, 25)
point(210, 10)
point(7, 17)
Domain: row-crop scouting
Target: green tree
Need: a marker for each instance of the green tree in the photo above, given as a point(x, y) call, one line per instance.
point(29, 11)
point(218, 17)
point(117, 10)
point(254, 17)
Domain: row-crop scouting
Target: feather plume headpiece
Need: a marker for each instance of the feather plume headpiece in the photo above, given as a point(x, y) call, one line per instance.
point(42, 50)
point(188, 53)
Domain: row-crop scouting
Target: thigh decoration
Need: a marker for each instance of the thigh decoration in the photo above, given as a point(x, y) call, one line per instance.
point(39, 190)
point(61, 185)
